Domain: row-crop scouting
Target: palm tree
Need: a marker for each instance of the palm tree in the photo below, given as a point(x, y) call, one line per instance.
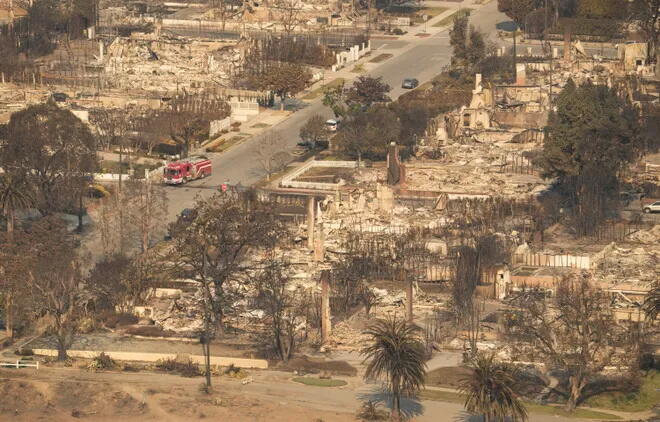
point(396, 353)
point(490, 391)
point(14, 194)
point(652, 303)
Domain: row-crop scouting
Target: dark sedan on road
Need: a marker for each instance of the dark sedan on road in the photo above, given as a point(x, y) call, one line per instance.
point(409, 83)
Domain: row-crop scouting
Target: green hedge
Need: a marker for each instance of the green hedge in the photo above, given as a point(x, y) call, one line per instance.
point(607, 28)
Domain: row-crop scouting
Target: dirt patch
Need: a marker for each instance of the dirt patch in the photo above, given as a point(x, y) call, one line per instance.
point(18, 397)
point(306, 365)
point(65, 395)
point(85, 398)
point(450, 376)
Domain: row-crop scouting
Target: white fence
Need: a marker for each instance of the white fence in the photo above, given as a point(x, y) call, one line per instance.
point(20, 364)
point(546, 260)
point(353, 54)
point(288, 181)
point(217, 126)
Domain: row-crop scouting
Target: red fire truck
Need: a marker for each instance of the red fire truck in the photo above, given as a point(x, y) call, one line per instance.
point(179, 172)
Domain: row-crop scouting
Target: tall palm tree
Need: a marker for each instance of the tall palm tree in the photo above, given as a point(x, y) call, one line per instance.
point(396, 353)
point(652, 303)
point(14, 194)
point(490, 391)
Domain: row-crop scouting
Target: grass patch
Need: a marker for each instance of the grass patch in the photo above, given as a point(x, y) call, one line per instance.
point(449, 376)
point(577, 413)
point(318, 382)
point(318, 91)
point(637, 401)
point(358, 68)
point(225, 144)
point(380, 58)
point(433, 11)
point(260, 125)
point(446, 396)
point(451, 397)
point(449, 19)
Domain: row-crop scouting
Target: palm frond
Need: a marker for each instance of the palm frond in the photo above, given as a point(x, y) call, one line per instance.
point(490, 391)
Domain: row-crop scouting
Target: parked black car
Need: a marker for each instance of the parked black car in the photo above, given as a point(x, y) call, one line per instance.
point(410, 83)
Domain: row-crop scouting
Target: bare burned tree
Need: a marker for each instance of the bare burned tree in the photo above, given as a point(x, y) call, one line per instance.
point(227, 9)
point(55, 281)
point(146, 209)
point(575, 332)
point(466, 279)
point(214, 251)
point(289, 14)
point(120, 283)
point(271, 156)
point(282, 306)
point(14, 270)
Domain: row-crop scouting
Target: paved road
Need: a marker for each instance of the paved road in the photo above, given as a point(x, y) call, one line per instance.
point(423, 61)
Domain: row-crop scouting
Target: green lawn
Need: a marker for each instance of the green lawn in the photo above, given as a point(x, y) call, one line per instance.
point(431, 12)
point(639, 401)
point(318, 382)
point(451, 397)
point(260, 125)
point(358, 68)
point(449, 19)
point(312, 95)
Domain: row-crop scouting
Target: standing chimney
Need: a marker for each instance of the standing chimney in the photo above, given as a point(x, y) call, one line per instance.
point(326, 327)
point(521, 77)
point(310, 223)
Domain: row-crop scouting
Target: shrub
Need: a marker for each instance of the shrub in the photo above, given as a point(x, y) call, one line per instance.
point(370, 412)
point(101, 362)
point(398, 31)
point(149, 331)
point(607, 28)
point(184, 368)
point(24, 351)
point(117, 320)
point(234, 372)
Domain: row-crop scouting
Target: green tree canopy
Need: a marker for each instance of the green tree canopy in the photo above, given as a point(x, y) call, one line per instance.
point(517, 10)
point(367, 134)
point(56, 147)
point(592, 127)
point(468, 43)
point(589, 139)
point(602, 8)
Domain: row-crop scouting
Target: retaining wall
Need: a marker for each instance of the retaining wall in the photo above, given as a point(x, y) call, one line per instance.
point(154, 357)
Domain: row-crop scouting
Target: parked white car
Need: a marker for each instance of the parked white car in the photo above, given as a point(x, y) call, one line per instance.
point(654, 207)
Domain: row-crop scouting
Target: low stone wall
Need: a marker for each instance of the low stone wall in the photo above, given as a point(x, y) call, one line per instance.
point(154, 357)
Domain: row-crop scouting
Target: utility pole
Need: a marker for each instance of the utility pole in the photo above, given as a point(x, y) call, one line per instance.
point(515, 29)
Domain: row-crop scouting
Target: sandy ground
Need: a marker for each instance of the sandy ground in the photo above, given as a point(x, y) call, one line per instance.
point(58, 394)
point(65, 394)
